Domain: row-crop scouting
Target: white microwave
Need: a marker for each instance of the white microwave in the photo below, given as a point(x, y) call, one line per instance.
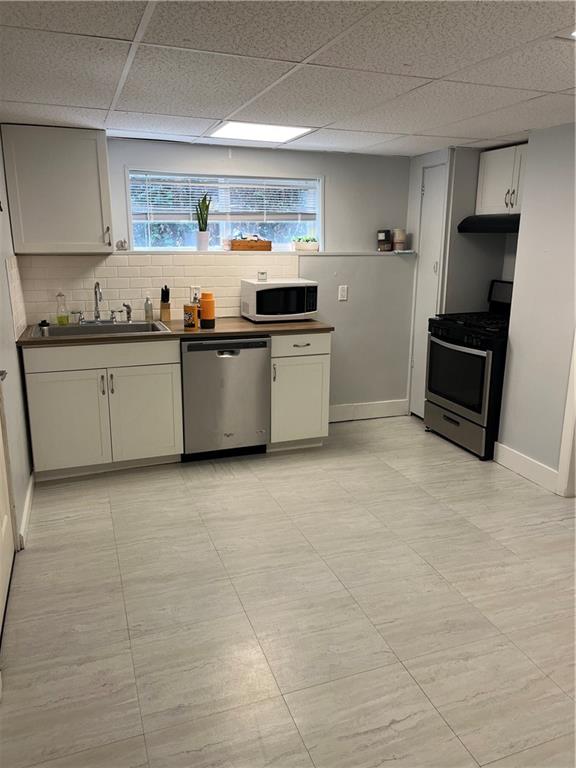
point(282, 299)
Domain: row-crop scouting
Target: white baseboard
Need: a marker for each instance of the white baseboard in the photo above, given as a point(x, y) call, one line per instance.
point(377, 410)
point(529, 468)
point(23, 532)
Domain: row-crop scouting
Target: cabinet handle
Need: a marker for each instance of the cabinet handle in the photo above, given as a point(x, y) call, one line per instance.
point(273, 371)
point(103, 384)
point(107, 236)
point(111, 383)
point(506, 196)
point(302, 345)
point(512, 198)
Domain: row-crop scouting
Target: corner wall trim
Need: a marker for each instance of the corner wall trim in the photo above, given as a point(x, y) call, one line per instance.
point(23, 532)
point(529, 468)
point(375, 410)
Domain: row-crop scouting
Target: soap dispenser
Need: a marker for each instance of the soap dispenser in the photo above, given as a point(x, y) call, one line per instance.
point(62, 314)
point(148, 310)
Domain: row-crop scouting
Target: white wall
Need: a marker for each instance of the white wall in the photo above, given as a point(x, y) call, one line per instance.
point(542, 319)
point(11, 309)
point(361, 193)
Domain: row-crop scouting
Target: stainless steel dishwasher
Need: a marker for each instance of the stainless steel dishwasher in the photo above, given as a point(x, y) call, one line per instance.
point(226, 394)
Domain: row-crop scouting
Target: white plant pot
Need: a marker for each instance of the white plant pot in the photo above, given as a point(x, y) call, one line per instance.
point(305, 246)
point(202, 239)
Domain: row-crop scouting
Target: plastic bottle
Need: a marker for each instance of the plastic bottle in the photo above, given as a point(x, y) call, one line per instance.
point(148, 310)
point(62, 314)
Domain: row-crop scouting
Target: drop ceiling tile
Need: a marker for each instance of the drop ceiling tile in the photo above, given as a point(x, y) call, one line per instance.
point(136, 121)
point(236, 143)
point(412, 145)
point(433, 39)
point(276, 30)
point(542, 112)
point(47, 114)
point(500, 141)
point(178, 82)
point(102, 18)
point(52, 68)
point(315, 96)
point(547, 65)
point(331, 140)
point(437, 103)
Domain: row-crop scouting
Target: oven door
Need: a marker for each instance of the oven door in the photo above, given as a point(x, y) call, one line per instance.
point(458, 378)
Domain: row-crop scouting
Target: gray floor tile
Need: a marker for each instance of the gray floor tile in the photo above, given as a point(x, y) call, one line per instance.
point(372, 718)
point(558, 753)
point(130, 753)
point(188, 672)
point(259, 735)
point(494, 697)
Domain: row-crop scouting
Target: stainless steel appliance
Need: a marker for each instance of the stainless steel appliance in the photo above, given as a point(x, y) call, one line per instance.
point(282, 299)
point(226, 394)
point(465, 372)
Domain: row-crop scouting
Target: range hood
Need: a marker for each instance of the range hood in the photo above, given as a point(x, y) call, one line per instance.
point(497, 222)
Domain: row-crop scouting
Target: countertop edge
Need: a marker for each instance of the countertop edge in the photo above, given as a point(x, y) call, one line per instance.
point(238, 327)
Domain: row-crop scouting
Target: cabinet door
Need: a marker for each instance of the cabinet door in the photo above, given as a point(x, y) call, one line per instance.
point(300, 397)
point(518, 180)
point(69, 419)
point(145, 411)
point(495, 180)
point(58, 189)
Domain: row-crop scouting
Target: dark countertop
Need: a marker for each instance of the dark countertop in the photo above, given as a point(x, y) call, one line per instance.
point(225, 327)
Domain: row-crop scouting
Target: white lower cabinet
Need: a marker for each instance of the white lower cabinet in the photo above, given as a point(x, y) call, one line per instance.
point(69, 419)
point(145, 411)
point(300, 397)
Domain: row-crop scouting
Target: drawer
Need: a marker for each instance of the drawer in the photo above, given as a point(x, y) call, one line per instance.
point(459, 430)
point(85, 356)
point(301, 344)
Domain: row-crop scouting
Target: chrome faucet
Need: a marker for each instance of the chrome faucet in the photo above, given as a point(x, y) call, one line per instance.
point(97, 299)
point(128, 309)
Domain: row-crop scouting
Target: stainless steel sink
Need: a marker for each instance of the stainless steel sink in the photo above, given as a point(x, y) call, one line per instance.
point(103, 328)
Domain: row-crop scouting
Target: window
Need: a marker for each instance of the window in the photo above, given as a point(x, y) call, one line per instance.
point(162, 209)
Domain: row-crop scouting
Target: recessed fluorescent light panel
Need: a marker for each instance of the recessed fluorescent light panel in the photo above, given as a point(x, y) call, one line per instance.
point(275, 134)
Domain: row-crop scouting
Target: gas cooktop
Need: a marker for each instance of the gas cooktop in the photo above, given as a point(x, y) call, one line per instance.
point(482, 321)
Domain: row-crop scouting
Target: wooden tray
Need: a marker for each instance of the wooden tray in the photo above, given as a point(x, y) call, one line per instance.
point(250, 245)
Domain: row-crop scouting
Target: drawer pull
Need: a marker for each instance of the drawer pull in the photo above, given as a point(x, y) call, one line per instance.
point(273, 371)
point(302, 345)
point(450, 420)
point(102, 384)
point(111, 383)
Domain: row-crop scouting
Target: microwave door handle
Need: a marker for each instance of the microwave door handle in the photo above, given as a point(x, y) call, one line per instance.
point(458, 348)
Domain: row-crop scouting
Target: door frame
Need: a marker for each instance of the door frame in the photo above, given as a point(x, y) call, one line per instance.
point(440, 296)
point(11, 500)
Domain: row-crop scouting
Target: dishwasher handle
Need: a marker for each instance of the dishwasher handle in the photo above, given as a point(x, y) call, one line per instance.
point(224, 345)
point(228, 352)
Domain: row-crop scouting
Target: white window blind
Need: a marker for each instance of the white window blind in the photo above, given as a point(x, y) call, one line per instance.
point(162, 208)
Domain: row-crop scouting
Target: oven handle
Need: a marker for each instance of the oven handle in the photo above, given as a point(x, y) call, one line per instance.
point(468, 350)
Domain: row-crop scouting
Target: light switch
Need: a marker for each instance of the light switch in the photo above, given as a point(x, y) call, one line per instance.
point(342, 293)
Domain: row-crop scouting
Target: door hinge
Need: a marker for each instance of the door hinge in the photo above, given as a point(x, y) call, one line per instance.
point(422, 190)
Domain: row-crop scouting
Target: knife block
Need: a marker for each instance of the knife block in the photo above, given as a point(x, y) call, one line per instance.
point(165, 312)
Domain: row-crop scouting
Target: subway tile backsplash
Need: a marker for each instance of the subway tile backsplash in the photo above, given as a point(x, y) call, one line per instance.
point(130, 277)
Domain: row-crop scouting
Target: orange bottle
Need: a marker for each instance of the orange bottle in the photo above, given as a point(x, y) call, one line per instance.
point(207, 310)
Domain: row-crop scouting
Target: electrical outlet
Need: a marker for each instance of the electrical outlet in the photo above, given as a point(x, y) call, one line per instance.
point(342, 293)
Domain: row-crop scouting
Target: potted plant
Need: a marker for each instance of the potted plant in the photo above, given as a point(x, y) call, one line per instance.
point(202, 211)
point(305, 244)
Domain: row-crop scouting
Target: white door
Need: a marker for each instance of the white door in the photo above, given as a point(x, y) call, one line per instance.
point(69, 418)
point(429, 264)
point(6, 532)
point(145, 411)
point(58, 188)
point(300, 397)
point(495, 180)
point(518, 180)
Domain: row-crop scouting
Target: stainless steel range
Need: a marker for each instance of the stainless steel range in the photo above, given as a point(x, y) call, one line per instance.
point(465, 372)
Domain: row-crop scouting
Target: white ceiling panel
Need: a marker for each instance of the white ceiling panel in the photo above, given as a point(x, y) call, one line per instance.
point(437, 103)
point(276, 30)
point(412, 145)
point(547, 65)
point(178, 82)
point(542, 112)
point(186, 126)
point(316, 96)
point(47, 114)
point(52, 68)
point(101, 18)
point(498, 142)
point(434, 39)
point(338, 141)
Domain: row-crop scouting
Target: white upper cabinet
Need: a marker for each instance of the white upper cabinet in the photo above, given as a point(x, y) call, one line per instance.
point(58, 189)
point(500, 178)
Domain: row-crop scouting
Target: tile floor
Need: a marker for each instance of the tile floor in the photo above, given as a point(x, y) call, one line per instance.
point(387, 598)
